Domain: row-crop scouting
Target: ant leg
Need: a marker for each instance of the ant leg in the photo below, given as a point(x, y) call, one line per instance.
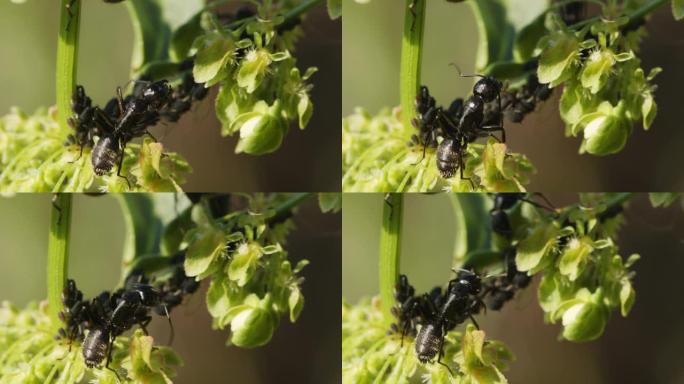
point(441, 354)
point(150, 135)
point(426, 142)
point(118, 171)
point(474, 322)
point(119, 99)
point(109, 359)
point(488, 129)
point(461, 164)
point(173, 332)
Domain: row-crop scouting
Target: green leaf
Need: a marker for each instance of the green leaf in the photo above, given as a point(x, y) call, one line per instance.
point(678, 9)
point(574, 257)
point(497, 22)
point(585, 320)
point(253, 69)
point(334, 8)
point(663, 199)
point(528, 38)
point(627, 297)
point(304, 109)
point(143, 226)
point(649, 110)
point(596, 70)
point(183, 38)
point(330, 202)
point(261, 131)
point(557, 57)
point(215, 52)
point(470, 210)
point(254, 325)
point(244, 263)
point(295, 302)
point(153, 22)
point(534, 249)
point(202, 252)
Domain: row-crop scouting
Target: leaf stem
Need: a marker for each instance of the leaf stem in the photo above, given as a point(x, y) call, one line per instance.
point(411, 57)
point(634, 18)
point(289, 16)
point(58, 253)
point(390, 250)
point(67, 57)
point(284, 210)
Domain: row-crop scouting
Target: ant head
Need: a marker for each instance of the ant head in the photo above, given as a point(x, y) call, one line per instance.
point(159, 91)
point(488, 88)
point(468, 282)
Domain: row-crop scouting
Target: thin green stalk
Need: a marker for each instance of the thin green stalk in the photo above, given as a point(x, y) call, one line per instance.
point(411, 57)
point(390, 250)
point(293, 13)
point(67, 57)
point(58, 253)
point(634, 17)
point(285, 209)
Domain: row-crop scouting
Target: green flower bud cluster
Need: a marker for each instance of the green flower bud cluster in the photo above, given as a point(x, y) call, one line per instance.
point(252, 281)
point(584, 278)
point(35, 159)
point(261, 89)
point(370, 355)
point(31, 354)
point(606, 91)
point(377, 158)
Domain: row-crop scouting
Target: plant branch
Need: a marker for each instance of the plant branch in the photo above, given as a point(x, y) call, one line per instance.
point(58, 253)
point(390, 250)
point(635, 17)
point(411, 57)
point(284, 210)
point(67, 58)
point(289, 16)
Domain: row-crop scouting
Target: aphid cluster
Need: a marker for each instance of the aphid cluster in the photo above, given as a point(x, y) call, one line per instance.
point(523, 101)
point(436, 313)
point(501, 289)
point(124, 119)
point(98, 322)
point(462, 123)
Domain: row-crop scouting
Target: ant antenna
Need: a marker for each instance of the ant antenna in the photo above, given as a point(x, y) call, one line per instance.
point(460, 73)
point(173, 332)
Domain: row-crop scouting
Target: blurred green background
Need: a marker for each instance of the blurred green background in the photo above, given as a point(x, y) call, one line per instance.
point(650, 161)
point(305, 352)
point(645, 347)
point(308, 160)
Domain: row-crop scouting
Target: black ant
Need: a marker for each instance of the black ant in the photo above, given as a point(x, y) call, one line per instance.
point(437, 313)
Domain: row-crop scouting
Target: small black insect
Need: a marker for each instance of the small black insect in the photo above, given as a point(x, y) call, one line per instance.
point(459, 303)
point(501, 289)
point(75, 315)
point(112, 315)
point(432, 315)
point(521, 102)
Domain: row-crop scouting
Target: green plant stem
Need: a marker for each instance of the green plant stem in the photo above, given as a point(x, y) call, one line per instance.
point(619, 199)
point(290, 15)
point(67, 58)
point(390, 250)
point(285, 209)
point(58, 253)
point(411, 57)
point(634, 17)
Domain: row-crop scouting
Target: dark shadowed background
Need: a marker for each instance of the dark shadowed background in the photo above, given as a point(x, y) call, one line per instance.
point(308, 160)
point(651, 161)
point(307, 351)
point(645, 347)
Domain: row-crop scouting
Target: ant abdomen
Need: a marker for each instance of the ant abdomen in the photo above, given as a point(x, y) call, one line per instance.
point(105, 155)
point(428, 342)
point(448, 157)
point(95, 347)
